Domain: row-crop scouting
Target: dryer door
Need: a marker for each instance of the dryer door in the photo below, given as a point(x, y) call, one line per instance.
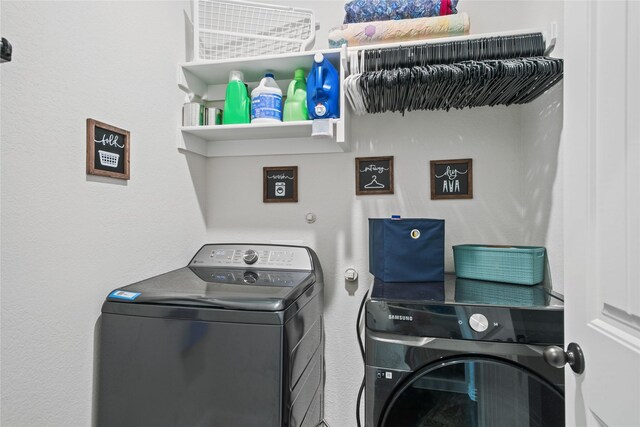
point(475, 392)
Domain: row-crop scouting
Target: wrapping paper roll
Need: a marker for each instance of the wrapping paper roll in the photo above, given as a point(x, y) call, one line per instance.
point(383, 10)
point(397, 31)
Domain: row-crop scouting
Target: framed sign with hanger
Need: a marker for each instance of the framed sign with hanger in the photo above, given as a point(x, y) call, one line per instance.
point(374, 175)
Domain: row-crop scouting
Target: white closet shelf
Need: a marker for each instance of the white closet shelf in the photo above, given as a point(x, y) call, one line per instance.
point(548, 35)
point(251, 130)
point(258, 139)
point(282, 65)
point(207, 80)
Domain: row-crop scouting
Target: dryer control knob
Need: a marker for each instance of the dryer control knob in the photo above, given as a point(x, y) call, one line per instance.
point(250, 256)
point(478, 322)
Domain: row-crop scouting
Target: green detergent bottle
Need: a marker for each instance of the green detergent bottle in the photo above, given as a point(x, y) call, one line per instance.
point(295, 106)
point(237, 105)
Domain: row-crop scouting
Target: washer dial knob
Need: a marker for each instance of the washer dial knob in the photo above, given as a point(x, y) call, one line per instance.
point(478, 322)
point(250, 256)
point(250, 278)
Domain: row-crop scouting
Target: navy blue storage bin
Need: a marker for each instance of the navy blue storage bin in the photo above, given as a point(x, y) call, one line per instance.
point(406, 250)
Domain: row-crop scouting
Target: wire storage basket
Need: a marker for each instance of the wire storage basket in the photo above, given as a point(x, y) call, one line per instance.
point(226, 29)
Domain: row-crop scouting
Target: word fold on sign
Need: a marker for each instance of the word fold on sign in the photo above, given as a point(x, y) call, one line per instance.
point(107, 150)
point(452, 179)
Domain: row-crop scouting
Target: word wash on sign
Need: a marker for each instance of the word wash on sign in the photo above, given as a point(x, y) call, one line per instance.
point(281, 176)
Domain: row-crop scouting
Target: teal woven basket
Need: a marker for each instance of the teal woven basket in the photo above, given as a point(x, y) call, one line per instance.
point(522, 265)
point(480, 292)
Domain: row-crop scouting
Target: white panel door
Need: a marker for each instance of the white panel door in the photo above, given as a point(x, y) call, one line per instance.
point(602, 207)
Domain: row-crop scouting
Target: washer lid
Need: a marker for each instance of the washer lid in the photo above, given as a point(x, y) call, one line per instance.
point(256, 290)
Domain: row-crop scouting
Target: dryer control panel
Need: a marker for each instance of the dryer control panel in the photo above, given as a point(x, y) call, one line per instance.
point(257, 256)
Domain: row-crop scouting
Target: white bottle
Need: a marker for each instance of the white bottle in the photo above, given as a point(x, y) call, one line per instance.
point(266, 101)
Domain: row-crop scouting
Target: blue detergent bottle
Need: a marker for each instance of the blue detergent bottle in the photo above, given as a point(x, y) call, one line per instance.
point(323, 89)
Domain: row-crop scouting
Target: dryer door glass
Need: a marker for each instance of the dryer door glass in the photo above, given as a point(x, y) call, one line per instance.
point(475, 393)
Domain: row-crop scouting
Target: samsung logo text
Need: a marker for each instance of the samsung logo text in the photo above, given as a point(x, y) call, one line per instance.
point(400, 317)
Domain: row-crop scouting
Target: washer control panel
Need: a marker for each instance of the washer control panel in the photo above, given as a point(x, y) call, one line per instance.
point(236, 276)
point(254, 256)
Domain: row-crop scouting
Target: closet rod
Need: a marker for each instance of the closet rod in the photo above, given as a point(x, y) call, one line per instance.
point(351, 50)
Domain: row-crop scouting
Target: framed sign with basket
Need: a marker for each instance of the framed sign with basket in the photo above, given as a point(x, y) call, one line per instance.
point(107, 150)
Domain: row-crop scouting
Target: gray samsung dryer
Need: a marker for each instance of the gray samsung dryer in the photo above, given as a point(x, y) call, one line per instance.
point(463, 353)
point(235, 339)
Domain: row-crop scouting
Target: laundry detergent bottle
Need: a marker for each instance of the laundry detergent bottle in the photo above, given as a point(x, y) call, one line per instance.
point(266, 101)
point(323, 89)
point(295, 106)
point(237, 104)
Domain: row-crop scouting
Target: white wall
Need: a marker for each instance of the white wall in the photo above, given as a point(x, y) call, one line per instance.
point(117, 64)
point(516, 191)
point(327, 187)
point(67, 238)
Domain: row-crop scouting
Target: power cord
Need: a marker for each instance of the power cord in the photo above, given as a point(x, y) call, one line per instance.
point(360, 343)
point(360, 310)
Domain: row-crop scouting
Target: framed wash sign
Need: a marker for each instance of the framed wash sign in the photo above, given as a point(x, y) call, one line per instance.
point(280, 184)
point(452, 179)
point(107, 150)
point(374, 175)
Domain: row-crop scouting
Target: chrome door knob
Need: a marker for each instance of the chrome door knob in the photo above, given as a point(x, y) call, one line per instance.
point(557, 357)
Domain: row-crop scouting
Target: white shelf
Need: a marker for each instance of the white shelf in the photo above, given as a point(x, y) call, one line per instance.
point(207, 81)
point(447, 39)
point(257, 139)
point(217, 72)
point(250, 131)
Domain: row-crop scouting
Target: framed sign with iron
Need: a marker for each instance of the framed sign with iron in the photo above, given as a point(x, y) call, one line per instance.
point(280, 184)
point(452, 179)
point(374, 175)
point(107, 150)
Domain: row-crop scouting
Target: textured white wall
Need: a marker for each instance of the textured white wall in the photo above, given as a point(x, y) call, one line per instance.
point(68, 239)
point(115, 62)
point(491, 136)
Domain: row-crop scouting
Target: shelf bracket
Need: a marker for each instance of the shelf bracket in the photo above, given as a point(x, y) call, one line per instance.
point(190, 84)
point(553, 35)
point(344, 56)
point(193, 144)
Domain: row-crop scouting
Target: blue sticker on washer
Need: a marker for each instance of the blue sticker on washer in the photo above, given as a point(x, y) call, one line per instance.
point(129, 296)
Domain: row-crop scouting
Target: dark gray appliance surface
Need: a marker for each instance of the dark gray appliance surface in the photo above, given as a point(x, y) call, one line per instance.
point(191, 352)
point(420, 341)
point(186, 289)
